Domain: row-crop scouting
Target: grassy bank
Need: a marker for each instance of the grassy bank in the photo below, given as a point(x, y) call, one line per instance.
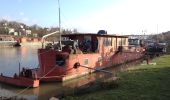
point(144, 82)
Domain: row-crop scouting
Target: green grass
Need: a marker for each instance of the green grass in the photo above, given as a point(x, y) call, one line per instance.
point(143, 82)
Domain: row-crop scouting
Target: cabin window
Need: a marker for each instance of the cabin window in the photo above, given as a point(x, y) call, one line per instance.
point(133, 42)
point(115, 44)
point(123, 41)
point(107, 41)
point(60, 61)
point(110, 41)
point(86, 61)
point(120, 41)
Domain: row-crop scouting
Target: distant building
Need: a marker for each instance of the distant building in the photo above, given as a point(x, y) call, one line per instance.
point(16, 33)
point(11, 30)
point(138, 36)
point(35, 35)
point(28, 32)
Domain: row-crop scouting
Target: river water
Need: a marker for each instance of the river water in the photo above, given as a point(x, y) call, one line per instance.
point(10, 57)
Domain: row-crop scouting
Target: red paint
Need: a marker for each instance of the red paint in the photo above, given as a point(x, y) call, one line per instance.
point(20, 81)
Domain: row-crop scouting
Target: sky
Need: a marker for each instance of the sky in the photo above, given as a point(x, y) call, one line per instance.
point(116, 16)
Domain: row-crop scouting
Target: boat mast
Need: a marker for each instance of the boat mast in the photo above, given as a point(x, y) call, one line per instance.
point(59, 25)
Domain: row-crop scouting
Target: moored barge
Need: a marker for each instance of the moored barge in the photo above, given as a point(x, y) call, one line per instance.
point(79, 54)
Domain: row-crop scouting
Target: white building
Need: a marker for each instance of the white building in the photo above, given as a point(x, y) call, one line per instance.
point(11, 30)
point(28, 32)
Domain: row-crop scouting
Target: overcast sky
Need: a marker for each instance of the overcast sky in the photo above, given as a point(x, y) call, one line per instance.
point(116, 16)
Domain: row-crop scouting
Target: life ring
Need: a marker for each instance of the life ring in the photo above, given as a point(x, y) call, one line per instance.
point(137, 50)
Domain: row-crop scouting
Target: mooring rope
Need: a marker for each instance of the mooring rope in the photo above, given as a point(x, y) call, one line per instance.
point(101, 70)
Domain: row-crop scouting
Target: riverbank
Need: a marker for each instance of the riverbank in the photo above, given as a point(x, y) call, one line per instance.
point(7, 43)
point(143, 82)
point(31, 44)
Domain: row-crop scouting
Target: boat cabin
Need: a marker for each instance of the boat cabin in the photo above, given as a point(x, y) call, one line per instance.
point(93, 43)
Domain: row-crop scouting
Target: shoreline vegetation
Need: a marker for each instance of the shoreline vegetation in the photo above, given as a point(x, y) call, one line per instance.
point(141, 82)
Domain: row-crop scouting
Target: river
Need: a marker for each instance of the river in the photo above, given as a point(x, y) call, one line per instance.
point(10, 57)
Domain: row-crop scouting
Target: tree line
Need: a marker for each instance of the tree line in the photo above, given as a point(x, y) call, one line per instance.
point(35, 29)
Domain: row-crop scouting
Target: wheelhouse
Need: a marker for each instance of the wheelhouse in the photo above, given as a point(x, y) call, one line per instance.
point(93, 43)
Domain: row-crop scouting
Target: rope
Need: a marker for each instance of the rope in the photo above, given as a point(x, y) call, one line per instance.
point(101, 70)
point(55, 75)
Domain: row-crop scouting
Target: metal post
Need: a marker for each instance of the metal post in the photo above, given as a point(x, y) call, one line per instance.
point(59, 24)
point(19, 68)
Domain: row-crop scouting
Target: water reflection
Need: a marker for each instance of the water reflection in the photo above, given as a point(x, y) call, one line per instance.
point(11, 91)
point(10, 58)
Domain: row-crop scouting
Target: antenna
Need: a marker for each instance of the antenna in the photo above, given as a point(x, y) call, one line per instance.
point(157, 28)
point(59, 24)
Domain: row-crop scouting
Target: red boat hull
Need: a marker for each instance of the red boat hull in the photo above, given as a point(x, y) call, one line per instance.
point(67, 72)
point(19, 81)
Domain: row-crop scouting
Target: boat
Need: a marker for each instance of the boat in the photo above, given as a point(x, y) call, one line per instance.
point(81, 53)
point(9, 43)
point(19, 81)
point(78, 54)
point(7, 40)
